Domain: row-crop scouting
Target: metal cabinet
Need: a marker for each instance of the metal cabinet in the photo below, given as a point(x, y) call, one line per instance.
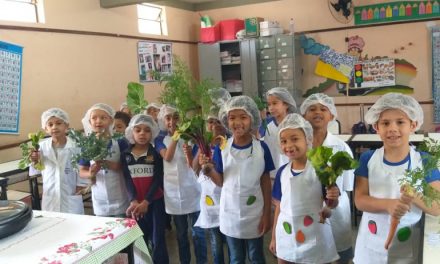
point(279, 64)
point(231, 64)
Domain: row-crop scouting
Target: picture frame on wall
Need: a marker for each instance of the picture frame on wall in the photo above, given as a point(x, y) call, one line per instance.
point(154, 57)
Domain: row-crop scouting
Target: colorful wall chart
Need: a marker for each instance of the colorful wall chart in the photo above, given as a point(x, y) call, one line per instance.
point(374, 73)
point(10, 87)
point(154, 57)
point(396, 11)
point(435, 32)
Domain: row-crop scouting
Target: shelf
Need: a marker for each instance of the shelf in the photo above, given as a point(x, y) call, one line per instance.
point(232, 63)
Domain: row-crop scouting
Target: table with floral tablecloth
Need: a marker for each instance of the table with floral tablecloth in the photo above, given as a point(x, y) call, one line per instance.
point(57, 238)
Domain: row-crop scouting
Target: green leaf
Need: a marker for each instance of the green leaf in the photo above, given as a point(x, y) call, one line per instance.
point(135, 98)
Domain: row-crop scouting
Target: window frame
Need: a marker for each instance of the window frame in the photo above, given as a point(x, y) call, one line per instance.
point(38, 11)
point(161, 19)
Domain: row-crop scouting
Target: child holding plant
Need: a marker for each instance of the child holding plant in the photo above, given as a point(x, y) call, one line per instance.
point(297, 235)
point(319, 109)
point(378, 193)
point(109, 195)
point(210, 194)
point(242, 170)
point(279, 103)
point(181, 189)
point(143, 172)
point(60, 180)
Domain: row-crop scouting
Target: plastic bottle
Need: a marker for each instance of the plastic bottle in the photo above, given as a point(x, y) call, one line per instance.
point(291, 27)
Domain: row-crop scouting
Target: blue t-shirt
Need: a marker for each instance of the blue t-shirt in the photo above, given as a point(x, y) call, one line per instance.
point(362, 170)
point(217, 157)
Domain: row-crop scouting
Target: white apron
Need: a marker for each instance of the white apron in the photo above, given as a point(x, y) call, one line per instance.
point(60, 179)
point(271, 140)
point(300, 204)
point(181, 189)
point(241, 201)
point(209, 203)
point(374, 227)
point(340, 220)
point(109, 195)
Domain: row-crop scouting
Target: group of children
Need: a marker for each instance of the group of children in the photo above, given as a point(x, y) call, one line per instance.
point(230, 194)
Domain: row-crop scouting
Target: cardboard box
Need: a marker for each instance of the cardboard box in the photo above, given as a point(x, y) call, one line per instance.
point(264, 32)
point(229, 28)
point(210, 34)
point(252, 26)
point(269, 24)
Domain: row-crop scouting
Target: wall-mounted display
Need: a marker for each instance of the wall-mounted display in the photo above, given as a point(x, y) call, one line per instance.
point(396, 11)
point(10, 87)
point(435, 31)
point(154, 57)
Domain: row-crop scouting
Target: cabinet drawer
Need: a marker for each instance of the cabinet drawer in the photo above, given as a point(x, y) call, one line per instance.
point(284, 40)
point(267, 65)
point(284, 52)
point(285, 63)
point(266, 86)
point(285, 74)
point(268, 75)
point(267, 42)
point(267, 54)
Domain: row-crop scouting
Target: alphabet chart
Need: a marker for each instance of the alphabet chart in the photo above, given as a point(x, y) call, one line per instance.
point(436, 72)
point(10, 87)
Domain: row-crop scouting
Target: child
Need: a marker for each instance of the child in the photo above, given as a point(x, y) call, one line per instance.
point(378, 194)
point(279, 103)
point(121, 122)
point(124, 108)
point(153, 110)
point(143, 172)
point(297, 234)
point(60, 180)
point(210, 196)
point(319, 109)
point(181, 189)
point(242, 169)
point(109, 195)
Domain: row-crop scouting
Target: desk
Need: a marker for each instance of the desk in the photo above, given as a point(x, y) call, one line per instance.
point(431, 240)
point(67, 238)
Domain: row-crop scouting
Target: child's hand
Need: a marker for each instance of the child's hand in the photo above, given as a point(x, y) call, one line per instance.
point(130, 209)
point(35, 156)
point(332, 193)
point(141, 209)
point(398, 208)
point(272, 246)
point(324, 213)
point(187, 150)
point(265, 224)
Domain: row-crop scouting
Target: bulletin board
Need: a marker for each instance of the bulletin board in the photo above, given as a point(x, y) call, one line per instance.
point(153, 58)
point(10, 87)
point(435, 32)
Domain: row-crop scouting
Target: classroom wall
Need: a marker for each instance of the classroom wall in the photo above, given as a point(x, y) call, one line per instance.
point(74, 71)
point(380, 41)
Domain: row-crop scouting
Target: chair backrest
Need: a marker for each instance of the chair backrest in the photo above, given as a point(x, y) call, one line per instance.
point(334, 127)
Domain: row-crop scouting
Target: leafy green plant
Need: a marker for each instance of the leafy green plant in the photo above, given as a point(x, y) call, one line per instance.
point(192, 100)
point(27, 149)
point(135, 98)
point(262, 105)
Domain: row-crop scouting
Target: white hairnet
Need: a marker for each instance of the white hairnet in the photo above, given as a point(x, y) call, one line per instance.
point(123, 105)
point(141, 119)
point(319, 98)
point(402, 102)
point(219, 96)
point(244, 103)
point(154, 105)
point(164, 111)
point(100, 106)
point(213, 112)
point(54, 112)
point(284, 95)
point(294, 121)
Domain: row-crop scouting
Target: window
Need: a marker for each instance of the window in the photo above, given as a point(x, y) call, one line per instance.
point(152, 19)
point(22, 10)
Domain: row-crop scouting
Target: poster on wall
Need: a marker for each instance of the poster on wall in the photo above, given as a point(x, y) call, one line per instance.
point(10, 87)
point(435, 32)
point(154, 57)
point(374, 73)
point(396, 11)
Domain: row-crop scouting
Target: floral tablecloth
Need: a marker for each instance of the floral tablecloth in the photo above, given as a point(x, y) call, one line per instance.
point(56, 238)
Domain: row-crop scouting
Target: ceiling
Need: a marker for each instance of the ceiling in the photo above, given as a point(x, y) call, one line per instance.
point(193, 5)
